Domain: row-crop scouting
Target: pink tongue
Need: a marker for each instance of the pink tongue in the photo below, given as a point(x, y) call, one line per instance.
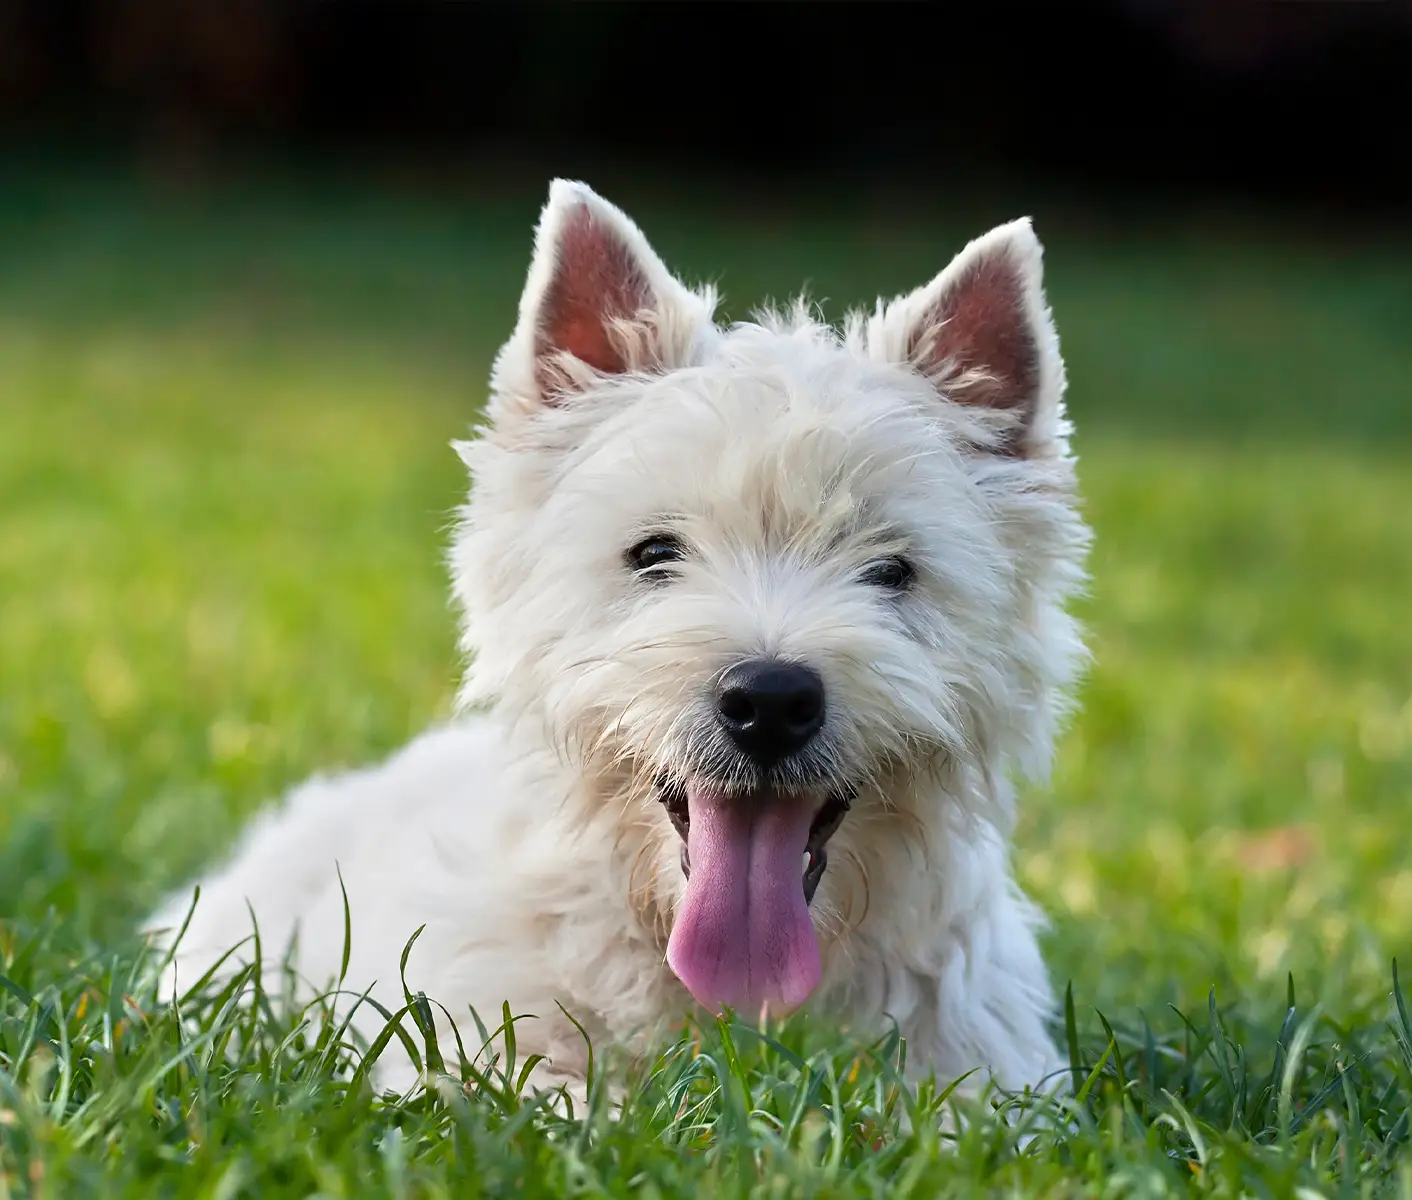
point(743, 936)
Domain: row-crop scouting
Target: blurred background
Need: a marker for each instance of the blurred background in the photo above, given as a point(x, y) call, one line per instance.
point(255, 258)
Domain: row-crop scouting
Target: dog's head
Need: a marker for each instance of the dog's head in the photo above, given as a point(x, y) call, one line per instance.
point(775, 591)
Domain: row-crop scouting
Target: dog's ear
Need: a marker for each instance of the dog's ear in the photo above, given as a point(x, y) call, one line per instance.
point(982, 332)
point(598, 301)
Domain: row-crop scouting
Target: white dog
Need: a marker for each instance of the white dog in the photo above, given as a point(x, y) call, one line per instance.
point(759, 619)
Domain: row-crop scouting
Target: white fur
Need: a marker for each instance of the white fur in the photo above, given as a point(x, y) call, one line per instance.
point(527, 838)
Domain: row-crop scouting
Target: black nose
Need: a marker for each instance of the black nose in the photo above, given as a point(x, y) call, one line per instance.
point(770, 709)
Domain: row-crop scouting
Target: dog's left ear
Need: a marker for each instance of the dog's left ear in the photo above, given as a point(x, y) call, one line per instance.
point(982, 332)
point(598, 302)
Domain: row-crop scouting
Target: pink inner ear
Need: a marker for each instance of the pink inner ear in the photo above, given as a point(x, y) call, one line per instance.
point(979, 324)
point(596, 279)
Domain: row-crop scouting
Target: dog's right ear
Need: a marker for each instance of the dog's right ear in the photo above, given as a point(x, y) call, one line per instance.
point(982, 332)
point(597, 302)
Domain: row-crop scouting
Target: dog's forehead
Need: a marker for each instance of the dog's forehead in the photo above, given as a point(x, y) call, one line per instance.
point(787, 396)
point(779, 439)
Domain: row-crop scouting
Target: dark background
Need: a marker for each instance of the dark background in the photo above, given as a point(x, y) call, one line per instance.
point(1303, 105)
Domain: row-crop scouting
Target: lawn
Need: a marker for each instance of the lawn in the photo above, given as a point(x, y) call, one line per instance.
point(225, 482)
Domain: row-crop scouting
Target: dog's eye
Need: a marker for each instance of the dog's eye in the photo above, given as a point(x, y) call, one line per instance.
point(894, 574)
point(656, 551)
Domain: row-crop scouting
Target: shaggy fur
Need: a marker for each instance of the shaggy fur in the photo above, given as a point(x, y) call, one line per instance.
point(784, 460)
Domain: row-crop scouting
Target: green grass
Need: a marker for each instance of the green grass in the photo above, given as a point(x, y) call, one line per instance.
point(224, 485)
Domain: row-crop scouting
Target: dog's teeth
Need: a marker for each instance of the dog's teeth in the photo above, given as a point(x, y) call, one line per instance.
point(808, 858)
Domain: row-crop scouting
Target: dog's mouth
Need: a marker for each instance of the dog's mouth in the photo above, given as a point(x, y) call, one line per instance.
point(816, 859)
point(742, 934)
